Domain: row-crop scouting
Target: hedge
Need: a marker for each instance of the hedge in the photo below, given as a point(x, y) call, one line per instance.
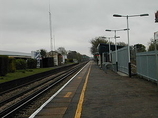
point(20, 64)
point(31, 63)
point(3, 65)
point(12, 65)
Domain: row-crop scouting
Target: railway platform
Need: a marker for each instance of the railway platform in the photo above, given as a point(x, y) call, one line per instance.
point(92, 93)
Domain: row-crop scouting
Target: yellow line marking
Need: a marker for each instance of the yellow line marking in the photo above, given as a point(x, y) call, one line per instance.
point(79, 77)
point(79, 106)
point(68, 94)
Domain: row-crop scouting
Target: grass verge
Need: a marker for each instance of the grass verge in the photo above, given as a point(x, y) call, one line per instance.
point(22, 73)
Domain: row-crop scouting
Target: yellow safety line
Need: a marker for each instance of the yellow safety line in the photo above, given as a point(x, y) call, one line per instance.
point(68, 94)
point(79, 106)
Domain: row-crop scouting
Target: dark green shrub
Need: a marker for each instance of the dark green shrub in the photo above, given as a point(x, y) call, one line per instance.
point(31, 63)
point(66, 60)
point(20, 64)
point(12, 65)
point(3, 65)
point(70, 60)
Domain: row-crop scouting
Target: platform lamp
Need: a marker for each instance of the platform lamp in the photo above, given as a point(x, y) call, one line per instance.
point(127, 16)
point(115, 43)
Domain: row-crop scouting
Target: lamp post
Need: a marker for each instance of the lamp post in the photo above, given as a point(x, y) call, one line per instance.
point(127, 16)
point(115, 48)
point(116, 44)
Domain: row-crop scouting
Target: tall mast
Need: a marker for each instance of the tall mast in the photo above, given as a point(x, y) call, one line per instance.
point(50, 23)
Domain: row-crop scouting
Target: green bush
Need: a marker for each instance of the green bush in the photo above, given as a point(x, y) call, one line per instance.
point(70, 60)
point(31, 63)
point(3, 65)
point(12, 65)
point(20, 64)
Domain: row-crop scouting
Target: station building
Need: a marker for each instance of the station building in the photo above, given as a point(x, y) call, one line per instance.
point(104, 53)
point(16, 54)
point(57, 57)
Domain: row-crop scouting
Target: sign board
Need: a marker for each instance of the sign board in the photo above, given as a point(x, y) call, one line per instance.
point(156, 35)
point(36, 55)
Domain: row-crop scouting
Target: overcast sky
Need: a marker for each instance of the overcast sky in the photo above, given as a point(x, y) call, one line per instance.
point(24, 24)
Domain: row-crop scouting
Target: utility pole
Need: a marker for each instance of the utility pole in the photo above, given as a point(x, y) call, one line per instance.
point(50, 26)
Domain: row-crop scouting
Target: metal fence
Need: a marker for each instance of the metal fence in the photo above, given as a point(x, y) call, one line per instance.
point(146, 62)
point(146, 65)
point(122, 56)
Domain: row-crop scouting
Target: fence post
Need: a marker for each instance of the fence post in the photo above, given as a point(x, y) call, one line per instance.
point(156, 63)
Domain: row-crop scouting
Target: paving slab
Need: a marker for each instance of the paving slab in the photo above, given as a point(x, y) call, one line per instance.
point(109, 95)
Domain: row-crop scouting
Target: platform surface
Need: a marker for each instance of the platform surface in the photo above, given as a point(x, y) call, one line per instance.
point(106, 95)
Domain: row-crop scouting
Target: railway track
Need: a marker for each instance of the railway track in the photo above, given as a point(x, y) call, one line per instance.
point(14, 101)
point(14, 84)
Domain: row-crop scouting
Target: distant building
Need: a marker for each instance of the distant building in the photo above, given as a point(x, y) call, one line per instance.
point(57, 57)
point(15, 54)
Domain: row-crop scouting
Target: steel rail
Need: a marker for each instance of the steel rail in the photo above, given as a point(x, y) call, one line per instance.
point(26, 91)
point(59, 69)
point(15, 107)
point(30, 89)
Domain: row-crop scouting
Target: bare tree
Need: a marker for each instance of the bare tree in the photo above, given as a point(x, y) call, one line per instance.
point(152, 45)
point(43, 53)
point(95, 42)
point(63, 52)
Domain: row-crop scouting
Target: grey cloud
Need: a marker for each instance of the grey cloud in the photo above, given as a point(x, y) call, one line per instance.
point(75, 22)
